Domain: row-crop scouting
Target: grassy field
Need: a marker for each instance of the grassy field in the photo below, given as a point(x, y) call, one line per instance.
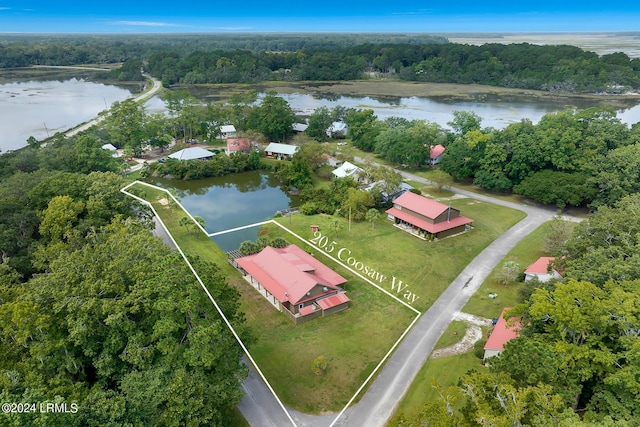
point(444, 372)
point(353, 341)
point(427, 268)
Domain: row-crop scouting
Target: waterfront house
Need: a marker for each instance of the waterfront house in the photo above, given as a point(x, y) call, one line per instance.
point(280, 151)
point(294, 282)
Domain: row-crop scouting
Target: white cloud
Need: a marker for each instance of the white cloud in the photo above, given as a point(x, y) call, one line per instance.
point(234, 28)
point(144, 23)
point(4, 8)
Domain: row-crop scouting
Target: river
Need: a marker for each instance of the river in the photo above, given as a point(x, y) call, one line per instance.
point(41, 107)
point(497, 111)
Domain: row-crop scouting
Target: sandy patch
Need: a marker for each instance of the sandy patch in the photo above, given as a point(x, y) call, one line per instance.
point(472, 335)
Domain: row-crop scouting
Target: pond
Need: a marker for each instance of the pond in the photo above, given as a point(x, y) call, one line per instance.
point(232, 201)
point(42, 107)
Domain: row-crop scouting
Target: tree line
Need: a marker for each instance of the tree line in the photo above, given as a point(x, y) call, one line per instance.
point(23, 50)
point(570, 158)
point(575, 362)
point(189, 59)
point(562, 69)
point(98, 313)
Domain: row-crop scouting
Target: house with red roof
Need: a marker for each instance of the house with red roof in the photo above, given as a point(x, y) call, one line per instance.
point(542, 270)
point(435, 154)
point(295, 282)
point(503, 332)
point(238, 145)
point(426, 218)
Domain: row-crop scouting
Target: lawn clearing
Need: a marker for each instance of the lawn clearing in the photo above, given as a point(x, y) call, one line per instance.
point(353, 342)
point(526, 252)
point(424, 268)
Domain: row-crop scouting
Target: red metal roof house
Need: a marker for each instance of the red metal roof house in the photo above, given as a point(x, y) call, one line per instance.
point(502, 333)
point(435, 154)
point(295, 282)
point(541, 270)
point(425, 217)
point(237, 145)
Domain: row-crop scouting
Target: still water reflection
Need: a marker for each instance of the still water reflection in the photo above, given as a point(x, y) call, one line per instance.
point(43, 107)
point(232, 201)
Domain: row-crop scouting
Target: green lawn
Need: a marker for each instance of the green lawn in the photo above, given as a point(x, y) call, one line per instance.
point(354, 341)
point(425, 268)
point(444, 372)
point(526, 252)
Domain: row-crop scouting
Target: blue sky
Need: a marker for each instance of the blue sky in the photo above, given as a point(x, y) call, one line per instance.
point(161, 16)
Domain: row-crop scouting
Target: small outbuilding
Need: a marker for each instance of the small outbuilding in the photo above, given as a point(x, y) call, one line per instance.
point(503, 332)
point(542, 270)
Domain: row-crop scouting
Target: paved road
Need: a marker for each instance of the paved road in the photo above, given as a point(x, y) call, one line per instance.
point(156, 86)
point(384, 394)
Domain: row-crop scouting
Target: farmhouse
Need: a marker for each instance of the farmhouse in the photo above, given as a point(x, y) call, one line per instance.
point(294, 282)
point(238, 145)
point(426, 218)
point(347, 169)
point(280, 151)
point(192, 153)
point(502, 333)
point(541, 270)
point(228, 131)
point(435, 154)
point(113, 149)
point(337, 130)
point(299, 127)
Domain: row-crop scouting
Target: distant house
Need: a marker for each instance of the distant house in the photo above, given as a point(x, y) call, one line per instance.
point(348, 169)
point(402, 188)
point(113, 149)
point(192, 153)
point(228, 131)
point(295, 282)
point(502, 333)
point(541, 270)
point(332, 161)
point(337, 130)
point(426, 218)
point(281, 151)
point(299, 127)
point(238, 145)
point(435, 154)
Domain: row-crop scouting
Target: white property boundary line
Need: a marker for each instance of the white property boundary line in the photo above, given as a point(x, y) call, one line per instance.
point(213, 301)
point(237, 337)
